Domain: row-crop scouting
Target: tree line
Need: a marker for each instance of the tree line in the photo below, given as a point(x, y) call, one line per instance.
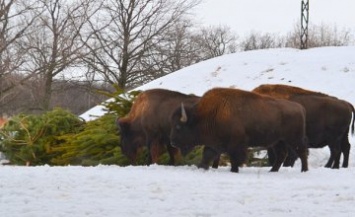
point(59, 53)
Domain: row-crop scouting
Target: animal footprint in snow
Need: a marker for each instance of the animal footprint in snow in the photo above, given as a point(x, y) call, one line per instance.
point(215, 73)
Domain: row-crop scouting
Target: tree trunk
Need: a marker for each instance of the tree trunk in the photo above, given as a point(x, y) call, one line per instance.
point(47, 95)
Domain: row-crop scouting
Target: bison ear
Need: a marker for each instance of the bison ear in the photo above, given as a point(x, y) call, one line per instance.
point(183, 117)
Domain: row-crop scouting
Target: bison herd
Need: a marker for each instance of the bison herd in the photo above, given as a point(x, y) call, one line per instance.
point(284, 119)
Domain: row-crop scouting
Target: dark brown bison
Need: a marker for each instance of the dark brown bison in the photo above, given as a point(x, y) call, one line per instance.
point(148, 123)
point(327, 120)
point(230, 120)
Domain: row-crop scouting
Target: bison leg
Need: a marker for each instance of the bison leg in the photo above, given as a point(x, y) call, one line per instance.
point(289, 161)
point(154, 153)
point(345, 149)
point(149, 148)
point(149, 159)
point(280, 150)
point(153, 150)
point(330, 160)
point(334, 160)
point(291, 158)
point(235, 164)
point(207, 156)
point(216, 162)
point(173, 152)
point(302, 152)
point(238, 155)
point(271, 156)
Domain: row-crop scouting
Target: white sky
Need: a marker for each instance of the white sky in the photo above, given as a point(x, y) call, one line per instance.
point(274, 16)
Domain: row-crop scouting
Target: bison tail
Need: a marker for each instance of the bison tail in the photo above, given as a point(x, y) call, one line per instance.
point(352, 123)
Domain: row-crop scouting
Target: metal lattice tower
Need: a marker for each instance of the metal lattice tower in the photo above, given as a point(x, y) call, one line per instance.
point(304, 24)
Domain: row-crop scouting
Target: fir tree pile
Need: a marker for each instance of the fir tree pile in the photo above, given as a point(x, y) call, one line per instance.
point(32, 139)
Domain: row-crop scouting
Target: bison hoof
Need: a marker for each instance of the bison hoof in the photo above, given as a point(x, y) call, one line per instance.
point(235, 168)
point(328, 166)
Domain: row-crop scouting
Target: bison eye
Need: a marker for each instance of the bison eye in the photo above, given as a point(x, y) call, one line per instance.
point(178, 126)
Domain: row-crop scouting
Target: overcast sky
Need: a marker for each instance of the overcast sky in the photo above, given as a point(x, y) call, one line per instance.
point(274, 16)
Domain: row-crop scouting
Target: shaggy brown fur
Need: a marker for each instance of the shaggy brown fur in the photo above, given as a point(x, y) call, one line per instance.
point(230, 120)
point(148, 123)
point(327, 119)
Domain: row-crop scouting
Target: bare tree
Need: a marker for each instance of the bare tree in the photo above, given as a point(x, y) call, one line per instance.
point(125, 31)
point(257, 40)
point(56, 42)
point(15, 19)
point(184, 44)
point(326, 35)
point(215, 41)
point(320, 36)
point(171, 51)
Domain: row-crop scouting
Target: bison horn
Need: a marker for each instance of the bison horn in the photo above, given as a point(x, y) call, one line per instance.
point(183, 114)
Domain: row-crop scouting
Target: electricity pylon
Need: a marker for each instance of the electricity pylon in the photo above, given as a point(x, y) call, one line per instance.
point(304, 24)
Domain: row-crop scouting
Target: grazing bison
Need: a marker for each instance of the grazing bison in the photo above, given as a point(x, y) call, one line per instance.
point(230, 120)
point(148, 123)
point(327, 120)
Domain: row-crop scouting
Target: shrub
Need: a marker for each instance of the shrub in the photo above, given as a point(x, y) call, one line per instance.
point(120, 102)
point(31, 139)
point(96, 144)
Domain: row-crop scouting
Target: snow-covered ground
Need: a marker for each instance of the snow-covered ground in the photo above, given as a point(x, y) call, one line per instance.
point(164, 191)
point(187, 191)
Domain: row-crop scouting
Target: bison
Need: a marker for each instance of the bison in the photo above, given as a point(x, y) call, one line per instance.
point(327, 119)
point(148, 123)
point(230, 120)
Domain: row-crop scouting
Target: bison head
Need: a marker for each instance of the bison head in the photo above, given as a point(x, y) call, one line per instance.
point(183, 133)
point(132, 140)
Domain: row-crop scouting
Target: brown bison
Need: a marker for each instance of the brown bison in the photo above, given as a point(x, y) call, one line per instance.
point(327, 119)
point(148, 123)
point(230, 120)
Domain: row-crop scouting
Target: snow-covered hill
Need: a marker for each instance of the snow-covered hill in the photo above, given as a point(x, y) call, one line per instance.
point(328, 69)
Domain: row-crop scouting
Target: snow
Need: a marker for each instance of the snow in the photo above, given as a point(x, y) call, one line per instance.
point(174, 191)
point(187, 191)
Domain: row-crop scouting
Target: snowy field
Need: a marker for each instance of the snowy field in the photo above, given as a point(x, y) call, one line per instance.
point(163, 191)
